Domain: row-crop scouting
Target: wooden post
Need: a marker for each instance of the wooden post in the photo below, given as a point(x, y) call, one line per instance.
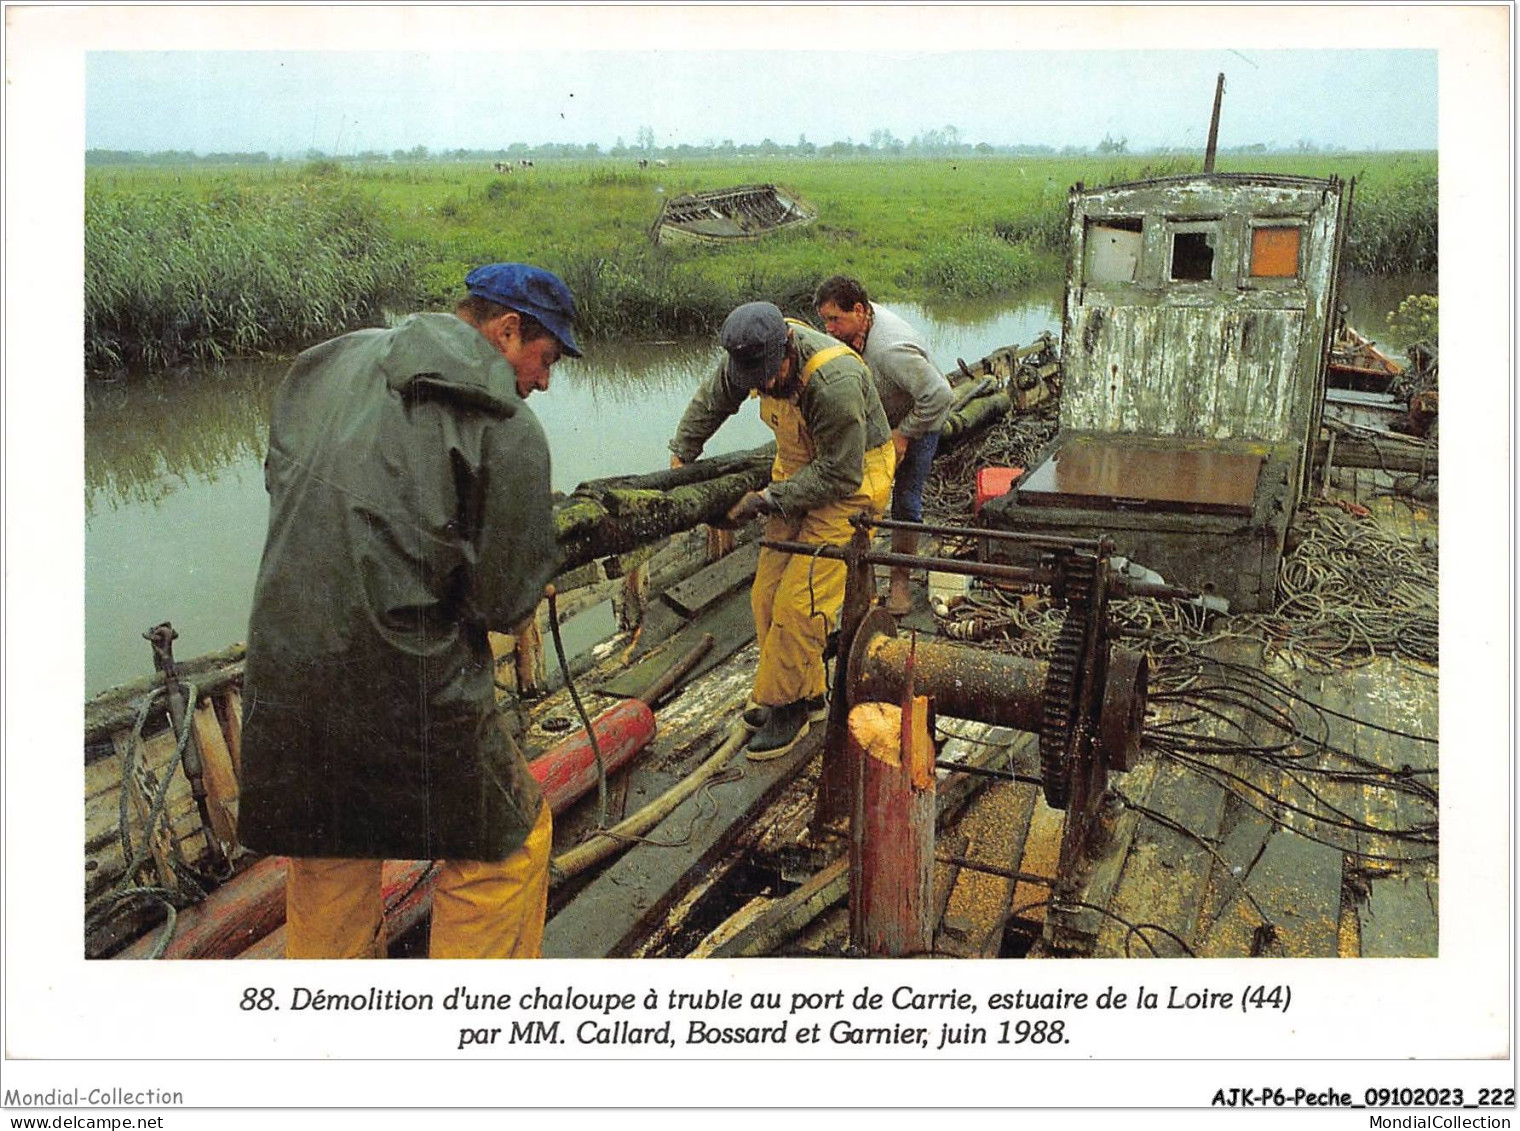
point(1213, 146)
point(531, 680)
point(221, 778)
point(633, 598)
point(836, 783)
point(720, 543)
point(892, 845)
point(229, 711)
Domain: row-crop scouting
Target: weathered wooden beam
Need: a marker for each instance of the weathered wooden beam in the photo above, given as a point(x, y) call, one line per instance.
point(892, 850)
point(610, 915)
point(117, 708)
point(794, 911)
point(697, 471)
point(612, 517)
point(978, 903)
point(1387, 453)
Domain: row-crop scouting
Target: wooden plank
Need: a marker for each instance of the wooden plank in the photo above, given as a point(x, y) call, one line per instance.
point(608, 916)
point(731, 623)
point(221, 779)
point(995, 825)
point(789, 914)
point(1243, 841)
point(1298, 883)
point(1166, 871)
point(229, 708)
point(952, 843)
point(1081, 928)
point(1400, 915)
point(810, 901)
point(700, 591)
point(1041, 857)
point(1400, 918)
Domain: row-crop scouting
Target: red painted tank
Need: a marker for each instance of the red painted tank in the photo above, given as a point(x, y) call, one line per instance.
point(567, 771)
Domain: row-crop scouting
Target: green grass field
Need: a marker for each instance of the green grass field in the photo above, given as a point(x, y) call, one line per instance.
point(185, 263)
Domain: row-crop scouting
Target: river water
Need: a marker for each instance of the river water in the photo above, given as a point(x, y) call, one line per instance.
point(175, 509)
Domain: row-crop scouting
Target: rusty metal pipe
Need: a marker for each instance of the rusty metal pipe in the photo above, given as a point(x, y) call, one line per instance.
point(1022, 574)
point(966, 683)
point(1053, 541)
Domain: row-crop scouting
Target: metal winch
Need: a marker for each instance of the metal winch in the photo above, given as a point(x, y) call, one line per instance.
point(1086, 703)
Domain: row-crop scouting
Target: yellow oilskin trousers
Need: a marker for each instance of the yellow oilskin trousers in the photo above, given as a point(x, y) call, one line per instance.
point(334, 908)
point(796, 599)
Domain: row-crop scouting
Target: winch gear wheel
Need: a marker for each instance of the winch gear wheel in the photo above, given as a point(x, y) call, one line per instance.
point(1063, 681)
point(1060, 708)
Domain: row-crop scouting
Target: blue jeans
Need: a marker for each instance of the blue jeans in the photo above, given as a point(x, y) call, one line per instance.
point(912, 474)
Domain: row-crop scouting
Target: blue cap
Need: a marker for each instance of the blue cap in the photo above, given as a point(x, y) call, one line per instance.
point(529, 290)
point(755, 337)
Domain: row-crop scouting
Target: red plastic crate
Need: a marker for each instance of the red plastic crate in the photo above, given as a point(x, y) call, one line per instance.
point(994, 481)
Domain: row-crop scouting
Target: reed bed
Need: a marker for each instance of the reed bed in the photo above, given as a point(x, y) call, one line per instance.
point(174, 278)
point(186, 264)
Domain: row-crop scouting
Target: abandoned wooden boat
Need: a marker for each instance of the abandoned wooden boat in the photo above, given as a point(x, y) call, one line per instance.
point(731, 215)
point(1357, 363)
point(162, 754)
point(1117, 790)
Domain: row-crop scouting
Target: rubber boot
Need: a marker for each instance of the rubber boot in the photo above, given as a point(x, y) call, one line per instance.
point(899, 598)
point(784, 726)
point(755, 715)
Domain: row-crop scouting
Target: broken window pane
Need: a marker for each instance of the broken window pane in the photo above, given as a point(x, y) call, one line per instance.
point(1274, 253)
point(1193, 255)
point(1113, 250)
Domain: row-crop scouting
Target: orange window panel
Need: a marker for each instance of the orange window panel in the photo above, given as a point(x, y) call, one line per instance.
point(1274, 252)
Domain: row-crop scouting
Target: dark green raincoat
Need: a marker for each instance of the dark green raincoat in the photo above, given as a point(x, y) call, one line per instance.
point(409, 512)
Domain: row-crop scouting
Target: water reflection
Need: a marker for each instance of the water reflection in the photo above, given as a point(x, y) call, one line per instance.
point(147, 438)
point(175, 509)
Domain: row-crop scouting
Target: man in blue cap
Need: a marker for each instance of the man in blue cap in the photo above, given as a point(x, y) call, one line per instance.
point(409, 514)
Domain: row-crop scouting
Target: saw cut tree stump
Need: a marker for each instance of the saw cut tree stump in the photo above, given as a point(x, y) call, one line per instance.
point(892, 836)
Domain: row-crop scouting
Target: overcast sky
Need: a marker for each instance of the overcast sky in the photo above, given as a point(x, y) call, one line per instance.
point(343, 103)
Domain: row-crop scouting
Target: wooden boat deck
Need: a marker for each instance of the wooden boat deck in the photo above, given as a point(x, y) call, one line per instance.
point(1216, 856)
point(1213, 855)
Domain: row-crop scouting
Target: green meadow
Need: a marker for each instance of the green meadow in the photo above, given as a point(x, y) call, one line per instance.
point(195, 263)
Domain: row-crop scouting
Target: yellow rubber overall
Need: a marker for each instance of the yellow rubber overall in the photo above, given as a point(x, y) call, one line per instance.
point(796, 599)
point(335, 909)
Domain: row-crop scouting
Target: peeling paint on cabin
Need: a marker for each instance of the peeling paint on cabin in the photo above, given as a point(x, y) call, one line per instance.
point(1202, 306)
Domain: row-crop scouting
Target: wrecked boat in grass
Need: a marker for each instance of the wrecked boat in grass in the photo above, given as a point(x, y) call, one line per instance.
point(740, 214)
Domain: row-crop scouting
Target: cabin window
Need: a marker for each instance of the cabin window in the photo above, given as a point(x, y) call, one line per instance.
point(1274, 252)
point(1113, 249)
point(1193, 256)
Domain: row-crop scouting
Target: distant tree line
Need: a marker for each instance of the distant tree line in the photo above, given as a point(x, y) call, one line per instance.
point(946, 143)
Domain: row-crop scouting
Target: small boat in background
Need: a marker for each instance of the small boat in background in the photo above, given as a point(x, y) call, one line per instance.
point(1357, 363)
point(731, 215)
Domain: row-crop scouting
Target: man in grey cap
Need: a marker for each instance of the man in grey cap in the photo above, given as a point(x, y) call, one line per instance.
point(409, 513)
point(834, 460)
point(914, 392)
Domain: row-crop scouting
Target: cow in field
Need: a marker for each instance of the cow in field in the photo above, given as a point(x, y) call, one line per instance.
point(662, 164)
point(643, 162)
point(502, 167)
point(525, 163)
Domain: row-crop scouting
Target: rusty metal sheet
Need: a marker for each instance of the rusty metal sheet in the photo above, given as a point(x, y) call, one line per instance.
point(1113, 476)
